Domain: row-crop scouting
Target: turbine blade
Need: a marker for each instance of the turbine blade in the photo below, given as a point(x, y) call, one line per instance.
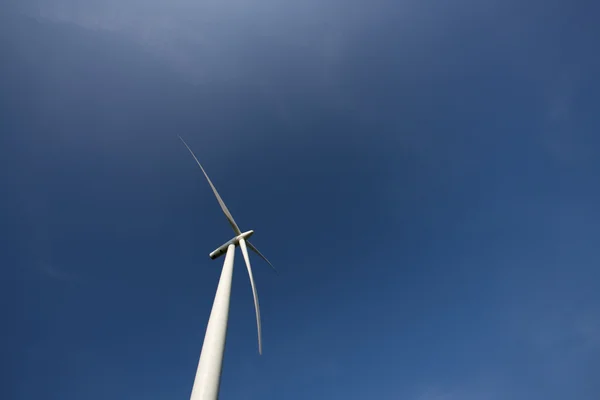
point(236, 229)
point(254, 249)
point(254, 293)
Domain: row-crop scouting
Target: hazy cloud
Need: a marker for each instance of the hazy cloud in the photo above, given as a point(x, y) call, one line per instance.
point(212, 40)
point(435, 393)
point(53, 272)
point(567, 137)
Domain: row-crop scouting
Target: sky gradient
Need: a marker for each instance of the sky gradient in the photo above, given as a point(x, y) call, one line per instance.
point(423, 176)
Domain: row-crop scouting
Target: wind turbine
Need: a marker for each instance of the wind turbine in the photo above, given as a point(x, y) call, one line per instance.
point(208, 374)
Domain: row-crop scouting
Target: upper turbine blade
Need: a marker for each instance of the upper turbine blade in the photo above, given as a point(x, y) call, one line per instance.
point(236, 229)
point(254, 293)
point(254, 249)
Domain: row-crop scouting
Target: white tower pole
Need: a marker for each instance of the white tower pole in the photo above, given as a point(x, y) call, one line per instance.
point(208, 374)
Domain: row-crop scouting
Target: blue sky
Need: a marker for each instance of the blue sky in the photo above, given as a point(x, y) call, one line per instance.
point(423, 175)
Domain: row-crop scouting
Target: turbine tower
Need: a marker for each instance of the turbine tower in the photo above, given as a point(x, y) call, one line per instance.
point(208, 374)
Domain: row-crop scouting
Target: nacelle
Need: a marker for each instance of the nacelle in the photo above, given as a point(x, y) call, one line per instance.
point(222, 249)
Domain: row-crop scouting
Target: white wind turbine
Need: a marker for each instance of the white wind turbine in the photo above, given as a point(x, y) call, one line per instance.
point(208, 374)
